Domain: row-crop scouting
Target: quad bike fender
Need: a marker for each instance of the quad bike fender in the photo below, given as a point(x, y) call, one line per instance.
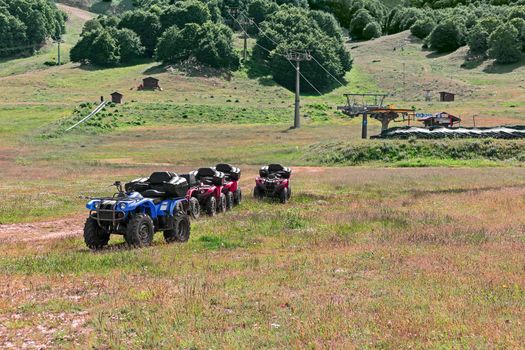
point(217, 192)
point(182, 202)
point(231, 186)
point(144, 206)
point(191, 192)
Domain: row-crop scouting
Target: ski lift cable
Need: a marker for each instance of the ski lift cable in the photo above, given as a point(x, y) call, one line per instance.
point(277, 53)
point(275, 43)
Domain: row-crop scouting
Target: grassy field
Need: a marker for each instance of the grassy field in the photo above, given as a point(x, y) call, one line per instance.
point(405, 249)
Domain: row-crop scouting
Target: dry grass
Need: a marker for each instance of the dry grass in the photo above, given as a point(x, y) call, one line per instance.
point(394, 267)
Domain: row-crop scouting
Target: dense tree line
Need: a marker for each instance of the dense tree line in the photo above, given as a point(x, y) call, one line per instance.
point(489, 31)
point(27, 24)
point(202, 31)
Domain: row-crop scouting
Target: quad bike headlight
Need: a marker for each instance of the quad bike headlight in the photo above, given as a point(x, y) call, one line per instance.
point(122, 206)
point(96, 204)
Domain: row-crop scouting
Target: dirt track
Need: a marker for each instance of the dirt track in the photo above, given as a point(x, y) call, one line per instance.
point(42, 230)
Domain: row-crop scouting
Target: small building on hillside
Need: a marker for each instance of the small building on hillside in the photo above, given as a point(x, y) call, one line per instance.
point(150, 83)
point(116, 97)
point(445, 96)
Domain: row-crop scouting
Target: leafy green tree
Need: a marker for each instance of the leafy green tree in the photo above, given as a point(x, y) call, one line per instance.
point(13, 34)
point(422, 27)
point(290, 28)
point(97, 47)
point(359, 22)
point(215, 47)
point(505, 45)
point(146, 25)
point(327, 23)
point(371, 31)
point(258, 10)
point(129, 44)
point(183, 12)
point(446, 37)
point(105, 50)
point(489, 24)
point(28, 23)
point(210, 44)
point(517, 12)
point(478, 40)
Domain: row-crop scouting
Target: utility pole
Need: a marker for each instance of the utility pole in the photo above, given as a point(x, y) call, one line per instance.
point(59, 41)
point(404, 81)
point(244, 23)
point(298, 57)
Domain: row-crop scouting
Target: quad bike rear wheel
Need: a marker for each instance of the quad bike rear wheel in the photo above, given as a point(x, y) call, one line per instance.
point(283, 196)
point(181, 231)
point(237, 197)
point(95, 236)
point(229, 200)
point(211, 206)
point(289, 192)
point(222, 205)
point(195, 208)
point(140, 230)
point(257, 193)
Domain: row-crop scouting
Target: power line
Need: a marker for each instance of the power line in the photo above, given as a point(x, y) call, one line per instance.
point(275, 43)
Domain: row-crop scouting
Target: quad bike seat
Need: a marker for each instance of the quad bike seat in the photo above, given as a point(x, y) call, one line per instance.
point(190, 178)
point(231, 172)
point(160, 184)
point(210, 175)
point(157, 196)
point(275, 170)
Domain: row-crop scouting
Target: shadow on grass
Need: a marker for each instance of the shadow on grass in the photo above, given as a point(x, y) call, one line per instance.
point(497, 68)
point(473, 61)
point(190, 68)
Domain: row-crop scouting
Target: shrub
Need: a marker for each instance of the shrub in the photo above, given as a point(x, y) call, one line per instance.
point(505, 45)
point(291, 29)
point(422, 27)
point(183, 12)
point(146, 25)
point(478, 40)
point(359, 22)
point(371, 31)
point(446, 37)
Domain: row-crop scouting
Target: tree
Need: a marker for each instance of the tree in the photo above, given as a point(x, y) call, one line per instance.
point(517, 12)
point(327, 23)
point(105, 50)
point(291, 29)
point(97, 47)
point(13, 34)
point(183, 12)
point(146, 25)
point(371, 31)
point(422, 27)
point(359, 22)
point(215, 47)
point(505, 45)
point(478, 40)
point(129, 44)
point(176, 45)
point(258, 10)
point(446, 37)
point(519, 24)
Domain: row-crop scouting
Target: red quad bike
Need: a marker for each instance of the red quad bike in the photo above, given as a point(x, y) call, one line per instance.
point(231, 187)
point(274, 182)
point(206, 191)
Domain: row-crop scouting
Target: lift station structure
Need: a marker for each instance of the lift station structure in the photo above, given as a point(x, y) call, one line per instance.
point(373, 105)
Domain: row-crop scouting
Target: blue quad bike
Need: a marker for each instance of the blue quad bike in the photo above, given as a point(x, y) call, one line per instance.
point(146, 206)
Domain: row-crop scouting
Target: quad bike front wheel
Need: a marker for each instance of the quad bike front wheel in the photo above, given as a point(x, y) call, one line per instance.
point(289, 192)
point(195, 208)
point(140, 231)
point(283, 196)
point(222, 205)
point(211, 206)
point(181, 231)
point(257, 193)
point(95, 236)
point(229, 200)
point(237, 197)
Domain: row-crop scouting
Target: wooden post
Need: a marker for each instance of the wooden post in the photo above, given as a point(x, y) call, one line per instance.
point(364, 126)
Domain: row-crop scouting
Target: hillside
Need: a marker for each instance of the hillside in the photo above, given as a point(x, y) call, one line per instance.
point(403, 250)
